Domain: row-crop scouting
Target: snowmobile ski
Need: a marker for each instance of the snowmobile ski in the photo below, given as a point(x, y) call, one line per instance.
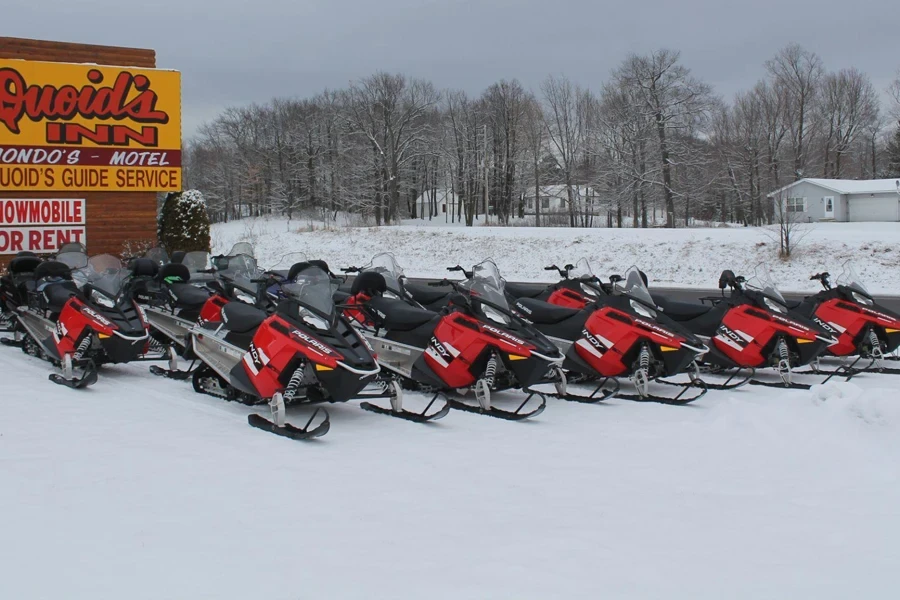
point(290, 431)
point(599, 394)
point(392, 389)
point(498, 413)
point(177, 374)
point(679, 400)
point(89, 377)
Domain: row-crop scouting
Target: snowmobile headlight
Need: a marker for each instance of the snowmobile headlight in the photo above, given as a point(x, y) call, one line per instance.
point(862, 299)
point(101, 299)
point(774, 306)
point(642, 310)
point(245, 298)
point(494, 315)
point(588, 290)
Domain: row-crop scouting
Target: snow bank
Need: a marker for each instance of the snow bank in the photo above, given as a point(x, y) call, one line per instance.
point(679, 257)
point(139, 488)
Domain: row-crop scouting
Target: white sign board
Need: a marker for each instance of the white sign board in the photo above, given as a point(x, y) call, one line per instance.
point(40, 225)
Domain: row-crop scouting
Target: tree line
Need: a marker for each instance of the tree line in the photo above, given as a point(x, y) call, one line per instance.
point(654, 144)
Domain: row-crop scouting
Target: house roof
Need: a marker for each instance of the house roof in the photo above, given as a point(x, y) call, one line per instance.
point(847, 186)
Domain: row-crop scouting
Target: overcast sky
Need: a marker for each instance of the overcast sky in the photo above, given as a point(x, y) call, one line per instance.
point(235, 52)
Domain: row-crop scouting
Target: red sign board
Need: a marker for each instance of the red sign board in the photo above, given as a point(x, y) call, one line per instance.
point(40, 225)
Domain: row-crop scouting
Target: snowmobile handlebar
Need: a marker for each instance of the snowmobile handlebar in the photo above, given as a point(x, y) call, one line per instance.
point(467, 274)
point(823, 279)
point(350, 270)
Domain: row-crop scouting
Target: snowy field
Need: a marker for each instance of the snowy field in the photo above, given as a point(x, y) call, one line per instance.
point(139, 488)
point(680, 257)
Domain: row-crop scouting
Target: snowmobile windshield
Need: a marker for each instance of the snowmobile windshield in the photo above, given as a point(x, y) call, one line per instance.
point(284, 264)
point(387, 266)
point(634, 286)
point(74, 260)
point(582, 270)
point(73, 247)
point(313, 288)
point(851, 279)
point(487, 284)
point(157, 255)
point(763, 283)
point(196, 261)
point(242, 248)
point(240, 270)
point(106, 273)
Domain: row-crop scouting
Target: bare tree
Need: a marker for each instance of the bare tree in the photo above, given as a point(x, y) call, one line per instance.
point(849, 105)
point(667, 93)
point(798, 72)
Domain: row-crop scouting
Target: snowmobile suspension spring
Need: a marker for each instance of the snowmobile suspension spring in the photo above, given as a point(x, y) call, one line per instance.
point(490, 370)
point(295, 382)
point(783, 351)
point(82, 347)
point(875, 344)
point(644, 358)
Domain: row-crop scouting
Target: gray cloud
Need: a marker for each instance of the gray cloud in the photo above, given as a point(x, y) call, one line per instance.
point(234, 53)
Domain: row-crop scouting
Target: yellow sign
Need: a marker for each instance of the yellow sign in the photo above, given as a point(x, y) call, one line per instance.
point(89, 128)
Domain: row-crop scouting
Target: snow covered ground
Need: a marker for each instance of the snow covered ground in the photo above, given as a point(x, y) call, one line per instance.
point(139, 488)
point(679, 257)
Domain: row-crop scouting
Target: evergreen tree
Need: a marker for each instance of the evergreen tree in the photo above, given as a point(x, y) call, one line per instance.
point(183, 222)
point(893, 154)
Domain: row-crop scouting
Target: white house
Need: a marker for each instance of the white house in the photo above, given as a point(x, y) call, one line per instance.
point(840, 199)
point(555, 199)
point(442, 200)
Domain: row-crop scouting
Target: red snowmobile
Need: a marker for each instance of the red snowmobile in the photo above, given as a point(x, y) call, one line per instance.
point(751, 329)
point(474, 343)
point(82, 328)
point(304, 352)
point(848, 312)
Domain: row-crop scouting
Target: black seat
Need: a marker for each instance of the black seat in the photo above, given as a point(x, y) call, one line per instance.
point(188, 296)
point(174, 273)
point(425, 294)
point(524, 290)
point(241, 318)
point(538, 311)
point(23, 265)
point(56, 294)
point(681, 311)
point(397, 314)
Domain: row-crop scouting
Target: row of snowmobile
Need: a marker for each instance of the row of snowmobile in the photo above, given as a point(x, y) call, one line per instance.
point(298, 334)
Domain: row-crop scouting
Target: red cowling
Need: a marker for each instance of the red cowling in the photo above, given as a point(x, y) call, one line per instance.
point(848, 320)
point(274, 346)
point(459, 340)
point(610, 335)
point(568, 298)
point(746, 330)
point(212, 309)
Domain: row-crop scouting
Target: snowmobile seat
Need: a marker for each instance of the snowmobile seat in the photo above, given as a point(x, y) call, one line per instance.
point(523, 290)
point(52, 269)
point(681, 311)
point(370, 282)
point(56, 294)
point(22, 265)
point(538, 311)
point(144, 267)
point(398, 315)
point(241, 318)
point(188, 296)
point(174, 273)
point(427, 295)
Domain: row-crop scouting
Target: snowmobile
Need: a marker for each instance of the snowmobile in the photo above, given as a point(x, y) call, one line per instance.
point(14, 287)
point(303, 353)
point(848, 312)
point(751, 329)
point(577, 288)
point(474, 343)
point(82, 328)
point(619, 335)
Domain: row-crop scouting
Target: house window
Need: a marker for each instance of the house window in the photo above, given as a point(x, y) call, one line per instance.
point(796, 205)
point(443, 208)
point(531, 203)
point(545, 202)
